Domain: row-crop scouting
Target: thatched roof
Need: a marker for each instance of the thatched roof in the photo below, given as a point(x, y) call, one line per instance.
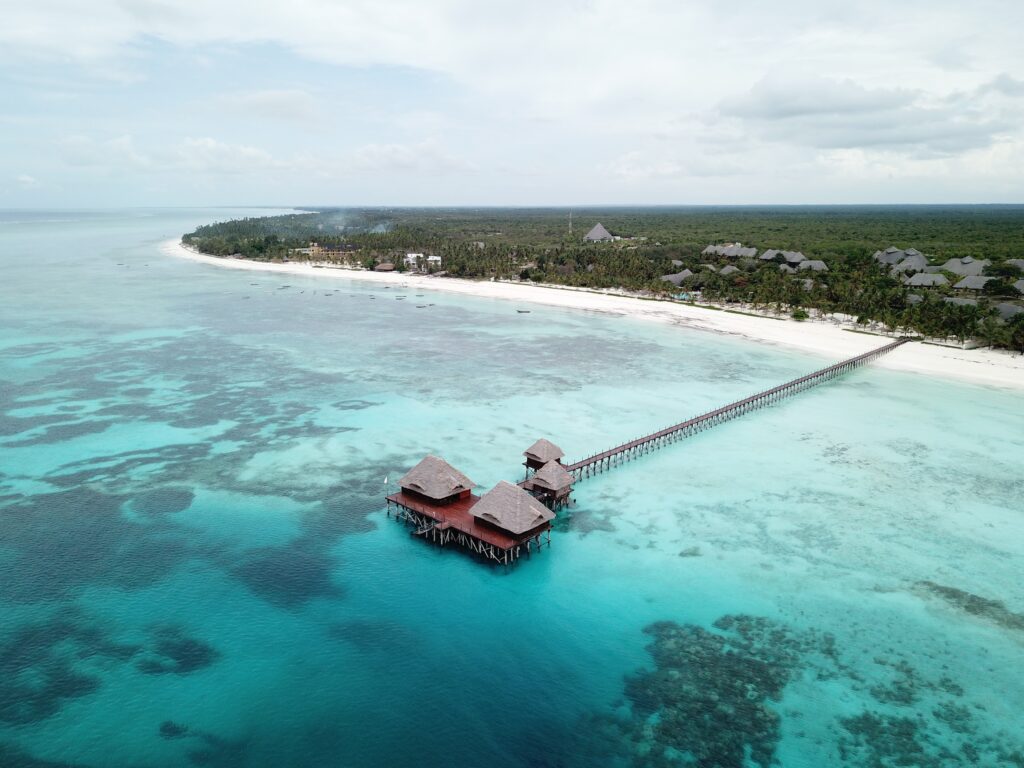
point(732, 250)
point(925, 278)
point(914, 262)
point(966, 267)
point(1018, 263)
point(729, 269)
point(678, 277)
point(551, 476)
point(891, 255)
point(544, 451)
point(815, 265)
point(1007, 310)
point(1019, 285)
point(972, 283)
point(511, 508)
point(435, 478)
point(597, 234)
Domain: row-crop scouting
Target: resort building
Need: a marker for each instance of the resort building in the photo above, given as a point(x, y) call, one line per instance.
point(438, 500)
point(598, 234)
point(540, 453)
point(551, 484)
point(436, 480)
point(728, 269)
point(910, 260)
point(730, 250)
point(815, 265)
point(386, 266)
point(972, 283)
point(966, 267)
point(413, 259)
point(1007, 310)
point(678, 277)
point(512, 510)
point(790, 257)
point(925, 279)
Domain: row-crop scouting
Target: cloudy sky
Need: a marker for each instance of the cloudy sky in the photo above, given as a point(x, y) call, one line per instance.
point(521, 102)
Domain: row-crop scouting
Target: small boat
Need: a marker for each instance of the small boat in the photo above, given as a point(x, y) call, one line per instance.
point(523, 311)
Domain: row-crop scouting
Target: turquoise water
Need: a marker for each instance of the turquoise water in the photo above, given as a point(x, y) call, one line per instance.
point(196, 567)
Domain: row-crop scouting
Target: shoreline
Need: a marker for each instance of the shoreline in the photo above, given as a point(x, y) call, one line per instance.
point(977, 366)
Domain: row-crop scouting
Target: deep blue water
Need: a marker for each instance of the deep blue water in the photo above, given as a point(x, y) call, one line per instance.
point(196, 567)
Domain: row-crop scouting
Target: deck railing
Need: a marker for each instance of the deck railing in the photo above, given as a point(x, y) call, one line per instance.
point(604, 460)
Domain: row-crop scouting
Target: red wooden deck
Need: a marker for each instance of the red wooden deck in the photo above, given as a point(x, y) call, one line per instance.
point(457, 515)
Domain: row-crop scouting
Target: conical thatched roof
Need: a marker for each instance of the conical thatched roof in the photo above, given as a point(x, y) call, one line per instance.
point(435, 478)
point(511, 508)
point(598, 233)
point(544, 451)
point(551, 476)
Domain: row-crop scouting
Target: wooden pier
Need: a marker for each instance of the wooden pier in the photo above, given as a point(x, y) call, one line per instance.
point(511, 520)
point(600, 462)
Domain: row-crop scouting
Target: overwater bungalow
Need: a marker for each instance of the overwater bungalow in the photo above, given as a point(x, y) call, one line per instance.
point(436, 481)
point(540, 453)
point(438, 501)
point(552, 484)
point(513, 511)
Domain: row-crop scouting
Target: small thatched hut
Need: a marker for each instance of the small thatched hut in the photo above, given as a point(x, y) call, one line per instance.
point(437, 481)
point(551, 483)
point(541, 452)
point(512, 509)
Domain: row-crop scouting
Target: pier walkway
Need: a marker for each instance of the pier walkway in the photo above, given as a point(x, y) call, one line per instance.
point(604, 460)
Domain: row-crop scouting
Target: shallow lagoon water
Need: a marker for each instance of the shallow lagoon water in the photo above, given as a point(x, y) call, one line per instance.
point(197, 568)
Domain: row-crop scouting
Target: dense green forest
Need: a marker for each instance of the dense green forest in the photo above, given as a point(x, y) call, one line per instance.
point(546, 245)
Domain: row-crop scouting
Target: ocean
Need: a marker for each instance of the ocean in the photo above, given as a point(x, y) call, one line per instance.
point(196, 567)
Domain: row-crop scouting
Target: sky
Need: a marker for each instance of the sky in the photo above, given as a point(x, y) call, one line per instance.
point(510, 102)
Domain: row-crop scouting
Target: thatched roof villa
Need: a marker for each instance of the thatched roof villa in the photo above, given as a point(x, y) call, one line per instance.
point(541, 452)
point(552, 483)
point(437, 480)
point(512, 509)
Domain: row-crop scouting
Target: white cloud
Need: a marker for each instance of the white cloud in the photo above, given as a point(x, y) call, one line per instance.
point(114, 154)
point(596, 96)
point(425, 157)
point(195, 155)
point(823, 113)
point(26, 182)
point(289, 104)
point(206, 155)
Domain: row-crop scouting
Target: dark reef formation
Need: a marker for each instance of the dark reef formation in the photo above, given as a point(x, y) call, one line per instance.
point(712, 700)
point(174, 652)
point(982, 607)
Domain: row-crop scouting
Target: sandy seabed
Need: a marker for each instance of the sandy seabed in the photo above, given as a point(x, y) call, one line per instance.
point(979, 366)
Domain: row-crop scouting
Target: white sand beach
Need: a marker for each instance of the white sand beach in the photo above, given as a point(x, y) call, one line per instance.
point(979, 366)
